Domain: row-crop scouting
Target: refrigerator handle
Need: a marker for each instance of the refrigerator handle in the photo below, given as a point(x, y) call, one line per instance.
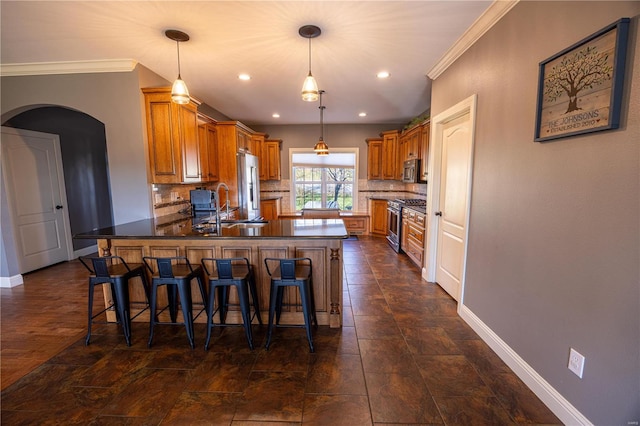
point(252, 197)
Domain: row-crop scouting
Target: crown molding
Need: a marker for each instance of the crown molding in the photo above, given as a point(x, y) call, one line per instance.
point(71, 67)
point(488, 19)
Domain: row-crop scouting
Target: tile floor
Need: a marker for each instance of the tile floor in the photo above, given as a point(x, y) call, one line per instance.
point(403, 356)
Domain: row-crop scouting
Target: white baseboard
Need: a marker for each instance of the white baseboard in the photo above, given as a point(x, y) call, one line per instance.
point(10, 282)
point(562, 408)
point(85, 251)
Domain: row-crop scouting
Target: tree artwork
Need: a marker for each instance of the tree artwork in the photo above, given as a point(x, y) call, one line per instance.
point(581, 70)
point(580, 88)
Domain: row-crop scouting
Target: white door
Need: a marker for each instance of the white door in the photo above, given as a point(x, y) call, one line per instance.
point(454, 141)
point(32, 175)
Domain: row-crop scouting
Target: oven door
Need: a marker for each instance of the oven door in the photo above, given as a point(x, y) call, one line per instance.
point(393, 227)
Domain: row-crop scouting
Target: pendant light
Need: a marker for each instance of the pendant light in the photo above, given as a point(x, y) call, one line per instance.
point(309, 87)
point(179, 91)
point(321, 148)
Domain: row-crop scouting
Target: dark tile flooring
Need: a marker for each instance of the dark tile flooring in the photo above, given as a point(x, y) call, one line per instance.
point(403, 356)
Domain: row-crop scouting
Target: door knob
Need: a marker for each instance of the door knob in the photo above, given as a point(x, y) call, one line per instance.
point(438, 213)
point(58, 207)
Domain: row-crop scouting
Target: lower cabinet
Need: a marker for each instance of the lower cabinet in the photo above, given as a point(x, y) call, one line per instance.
point(413, 230)
point(356, 225)
point(270, 209)
point(378, 212)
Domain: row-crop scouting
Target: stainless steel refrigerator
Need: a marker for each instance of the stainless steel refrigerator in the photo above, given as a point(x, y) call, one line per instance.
point(248, 186)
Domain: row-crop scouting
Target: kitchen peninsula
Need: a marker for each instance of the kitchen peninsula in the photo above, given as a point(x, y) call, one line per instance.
point(195, 238)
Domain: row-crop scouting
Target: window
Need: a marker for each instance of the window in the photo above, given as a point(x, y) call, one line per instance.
point(324, 181)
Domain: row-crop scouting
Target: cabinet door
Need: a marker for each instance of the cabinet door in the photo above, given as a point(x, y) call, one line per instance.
point(244, 141)
point(204, 152)
point(378, 213)
point(413, 143)
point(389, 157)
point(271, 153)
point(189, 141)
point(374, 159)
point(424, 151)
point(163, 139)
point(269, 209)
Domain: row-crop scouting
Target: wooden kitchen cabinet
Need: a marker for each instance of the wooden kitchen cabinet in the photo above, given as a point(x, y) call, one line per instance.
point(270, 209)
point(412, 143)
point(425, 134)
point(356, 224)
point(413, 231)
point(374, 158)
point(378, 213)
point(270, 159)
point(172, 134)
point(390, 169)
point(208, 138)
point(382, 156)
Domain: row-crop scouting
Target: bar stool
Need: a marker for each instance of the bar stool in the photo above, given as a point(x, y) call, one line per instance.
point(113, 270)
point(176, 273)
point(293, 272)
point(232, 272)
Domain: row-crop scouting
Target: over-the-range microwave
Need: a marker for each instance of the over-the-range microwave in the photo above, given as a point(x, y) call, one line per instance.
point(411, 171)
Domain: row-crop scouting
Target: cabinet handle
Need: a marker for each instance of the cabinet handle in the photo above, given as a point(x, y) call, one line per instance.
point(438, 213)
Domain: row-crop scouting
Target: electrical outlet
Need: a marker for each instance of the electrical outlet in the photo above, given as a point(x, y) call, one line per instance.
point(576, 362)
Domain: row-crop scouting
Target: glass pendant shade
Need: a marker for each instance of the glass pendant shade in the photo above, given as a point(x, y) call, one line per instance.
point(179, 92)
point(310, 89)
point(321, 148)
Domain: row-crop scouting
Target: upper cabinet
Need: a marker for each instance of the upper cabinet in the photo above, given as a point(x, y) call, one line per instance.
point(374, 158)
point(172, 132)
point(386, 155)
point(390, 169)
point(270, 159)
point(208, 139)
point(425, 129)
point(382, 156)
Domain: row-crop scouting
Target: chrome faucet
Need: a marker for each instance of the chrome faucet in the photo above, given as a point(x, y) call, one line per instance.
point(217, 201)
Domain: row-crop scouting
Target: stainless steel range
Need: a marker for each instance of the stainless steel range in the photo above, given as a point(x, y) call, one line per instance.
point(394, 219)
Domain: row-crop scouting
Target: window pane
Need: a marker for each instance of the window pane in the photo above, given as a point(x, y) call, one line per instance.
point(318, 187)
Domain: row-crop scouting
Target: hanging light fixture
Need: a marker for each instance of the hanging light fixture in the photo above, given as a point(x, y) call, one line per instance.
point(309, 87)
point(321, 148)
point(179, 91)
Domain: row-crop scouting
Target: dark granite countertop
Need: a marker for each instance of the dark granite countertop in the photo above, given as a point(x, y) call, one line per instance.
point(180, 226)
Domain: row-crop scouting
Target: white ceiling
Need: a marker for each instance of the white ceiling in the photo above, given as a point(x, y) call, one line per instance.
point(359, 38)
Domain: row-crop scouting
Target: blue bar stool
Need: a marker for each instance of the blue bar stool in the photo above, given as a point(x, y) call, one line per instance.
point(232, 272)
point(113, 270)
point(293, 272)
point(176, 273)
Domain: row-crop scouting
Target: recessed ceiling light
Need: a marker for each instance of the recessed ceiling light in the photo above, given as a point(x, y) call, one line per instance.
point(362, 114)
point(383, 74)
point(244, 77)
point(276, 115)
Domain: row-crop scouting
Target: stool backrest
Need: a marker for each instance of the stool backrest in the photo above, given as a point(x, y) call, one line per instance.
point(288, 267)
point(100, 265)
point(165, 269)
point(165, 264)
point(225, 271)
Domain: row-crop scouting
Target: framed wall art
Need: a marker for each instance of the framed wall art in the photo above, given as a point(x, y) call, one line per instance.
point(580, 88)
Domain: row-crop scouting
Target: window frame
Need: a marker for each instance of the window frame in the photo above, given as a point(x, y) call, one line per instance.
point(292, 181)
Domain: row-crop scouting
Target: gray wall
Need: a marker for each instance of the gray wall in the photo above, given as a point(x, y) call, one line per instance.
point(554, 243)
point(115, 100)
point(335, 135)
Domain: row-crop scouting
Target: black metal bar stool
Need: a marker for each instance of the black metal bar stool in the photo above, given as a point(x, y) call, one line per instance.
point(113, 270)
point(293, 272)
point(232, 272)
point(176, 273)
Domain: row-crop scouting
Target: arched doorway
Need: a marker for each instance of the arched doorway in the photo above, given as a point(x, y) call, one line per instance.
point(84, 158)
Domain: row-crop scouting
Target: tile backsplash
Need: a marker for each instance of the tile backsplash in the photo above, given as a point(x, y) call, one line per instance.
point(169, 199)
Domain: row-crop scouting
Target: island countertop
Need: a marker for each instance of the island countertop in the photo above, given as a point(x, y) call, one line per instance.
point(186, 227)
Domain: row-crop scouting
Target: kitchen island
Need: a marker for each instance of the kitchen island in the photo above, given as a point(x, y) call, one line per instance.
point(196, 238)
